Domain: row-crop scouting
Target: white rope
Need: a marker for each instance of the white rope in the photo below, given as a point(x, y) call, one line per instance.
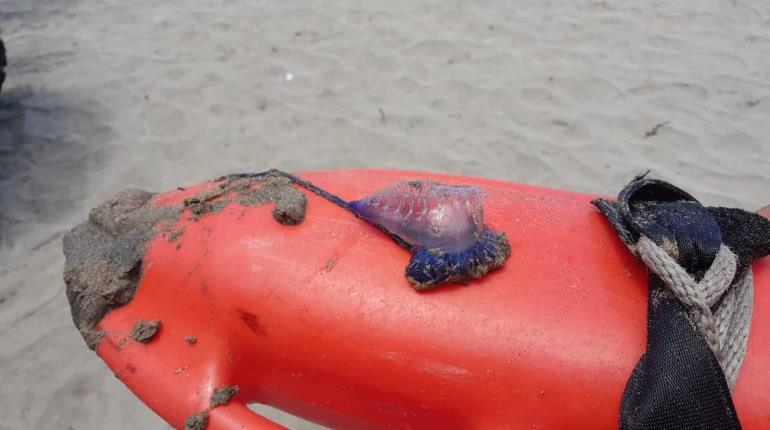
point(726, 326)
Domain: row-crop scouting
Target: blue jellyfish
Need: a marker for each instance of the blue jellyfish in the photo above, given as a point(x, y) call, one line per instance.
point(441, 225)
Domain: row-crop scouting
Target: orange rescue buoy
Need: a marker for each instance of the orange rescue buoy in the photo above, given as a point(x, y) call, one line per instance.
point(227, 306)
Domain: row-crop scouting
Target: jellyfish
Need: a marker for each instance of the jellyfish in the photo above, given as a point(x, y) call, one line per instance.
point(441, 225)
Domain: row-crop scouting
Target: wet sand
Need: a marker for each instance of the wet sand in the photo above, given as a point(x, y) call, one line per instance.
point(105, 95)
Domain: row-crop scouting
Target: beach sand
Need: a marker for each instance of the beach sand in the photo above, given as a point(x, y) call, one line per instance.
point(574, 94)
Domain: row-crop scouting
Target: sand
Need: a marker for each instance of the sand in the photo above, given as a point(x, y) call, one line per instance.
point(105, 95)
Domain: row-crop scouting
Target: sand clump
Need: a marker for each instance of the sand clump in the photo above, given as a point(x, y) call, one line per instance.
point(103, 255)
point(144, 331)
point(197, 421)
point(289, 202)
point(222, 395)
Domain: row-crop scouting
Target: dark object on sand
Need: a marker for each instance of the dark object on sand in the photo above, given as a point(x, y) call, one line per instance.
point(3, 63)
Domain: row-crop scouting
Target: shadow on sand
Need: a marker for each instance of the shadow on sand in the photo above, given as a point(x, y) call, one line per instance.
point(44, 158)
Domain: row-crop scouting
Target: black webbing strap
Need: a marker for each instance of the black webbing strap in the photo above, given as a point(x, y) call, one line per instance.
point(678, 383)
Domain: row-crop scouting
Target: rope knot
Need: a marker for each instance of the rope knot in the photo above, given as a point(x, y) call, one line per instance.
point(719, 304)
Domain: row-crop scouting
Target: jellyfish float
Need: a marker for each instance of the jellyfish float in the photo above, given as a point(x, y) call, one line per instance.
point(441, 225)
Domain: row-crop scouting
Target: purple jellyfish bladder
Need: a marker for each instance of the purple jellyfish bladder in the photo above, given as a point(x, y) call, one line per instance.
point(441, 225)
